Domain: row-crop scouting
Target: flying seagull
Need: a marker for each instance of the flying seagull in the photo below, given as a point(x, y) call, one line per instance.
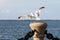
point(33, 16)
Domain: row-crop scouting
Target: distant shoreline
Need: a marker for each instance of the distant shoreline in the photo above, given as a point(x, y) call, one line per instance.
point(28, 20)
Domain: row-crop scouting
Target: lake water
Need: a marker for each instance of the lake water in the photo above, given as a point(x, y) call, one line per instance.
point(14, 29)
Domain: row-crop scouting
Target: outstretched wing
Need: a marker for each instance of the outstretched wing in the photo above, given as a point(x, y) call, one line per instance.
point(37, 12)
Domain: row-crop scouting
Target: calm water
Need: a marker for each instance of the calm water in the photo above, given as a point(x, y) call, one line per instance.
point(14, 29)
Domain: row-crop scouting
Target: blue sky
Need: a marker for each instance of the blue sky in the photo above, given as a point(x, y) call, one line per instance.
point(11, 9)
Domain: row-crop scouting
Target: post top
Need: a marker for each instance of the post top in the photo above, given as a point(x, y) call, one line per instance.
point(34, 24)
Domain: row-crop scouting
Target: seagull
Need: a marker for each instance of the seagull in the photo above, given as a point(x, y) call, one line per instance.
point(33, 16)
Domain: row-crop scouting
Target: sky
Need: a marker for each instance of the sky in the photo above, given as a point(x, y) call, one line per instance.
point(11, 9)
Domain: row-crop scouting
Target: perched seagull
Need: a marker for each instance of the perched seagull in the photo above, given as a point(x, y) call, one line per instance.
point(33, 16)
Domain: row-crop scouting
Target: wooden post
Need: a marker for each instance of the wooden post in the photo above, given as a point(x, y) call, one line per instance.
point(40, 29)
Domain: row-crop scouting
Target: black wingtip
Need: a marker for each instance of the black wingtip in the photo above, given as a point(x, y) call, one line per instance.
point(41, 7)
point(19, 17)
